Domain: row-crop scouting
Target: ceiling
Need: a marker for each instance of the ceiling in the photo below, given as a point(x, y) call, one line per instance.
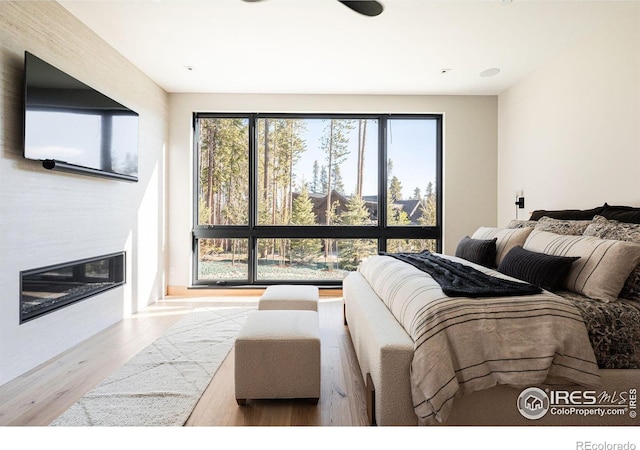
point(322, 47)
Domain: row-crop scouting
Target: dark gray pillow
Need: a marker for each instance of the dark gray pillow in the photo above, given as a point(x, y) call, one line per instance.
point(479, 251)
point(546, 271)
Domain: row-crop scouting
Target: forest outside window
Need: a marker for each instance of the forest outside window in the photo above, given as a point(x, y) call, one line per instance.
point(297, 198)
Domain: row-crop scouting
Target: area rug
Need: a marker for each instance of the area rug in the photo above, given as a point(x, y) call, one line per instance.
point(161, 385)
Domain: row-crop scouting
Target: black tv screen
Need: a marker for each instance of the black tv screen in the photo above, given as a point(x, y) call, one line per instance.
point(70, 126)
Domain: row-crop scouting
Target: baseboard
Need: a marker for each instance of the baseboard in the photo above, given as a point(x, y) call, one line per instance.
point(184, 291)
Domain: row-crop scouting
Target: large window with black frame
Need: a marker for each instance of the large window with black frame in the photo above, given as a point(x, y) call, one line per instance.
point(301, 198)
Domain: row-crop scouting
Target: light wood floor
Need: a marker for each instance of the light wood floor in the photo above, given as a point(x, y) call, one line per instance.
point(39, 396)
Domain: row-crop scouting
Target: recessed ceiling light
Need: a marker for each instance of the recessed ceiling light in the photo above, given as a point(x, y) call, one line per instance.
point(490, 72)
point(445, 70)
point(189, 68)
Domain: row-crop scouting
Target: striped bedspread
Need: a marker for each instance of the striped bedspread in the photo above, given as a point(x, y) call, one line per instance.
point(463, 345)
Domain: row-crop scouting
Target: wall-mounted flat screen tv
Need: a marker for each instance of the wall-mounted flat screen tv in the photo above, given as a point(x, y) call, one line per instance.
point(70, 126)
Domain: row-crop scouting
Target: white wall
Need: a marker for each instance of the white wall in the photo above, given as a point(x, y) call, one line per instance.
point(52, 217)
point(470, 146)
point(569, 134)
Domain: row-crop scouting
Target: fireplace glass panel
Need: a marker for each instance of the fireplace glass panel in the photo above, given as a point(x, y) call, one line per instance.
point(49, 288)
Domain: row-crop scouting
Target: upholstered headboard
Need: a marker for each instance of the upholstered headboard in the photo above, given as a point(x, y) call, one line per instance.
point(628, 214)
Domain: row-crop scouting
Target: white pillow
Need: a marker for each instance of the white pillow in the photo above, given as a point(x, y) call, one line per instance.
point(507, 238)
point(603, 267)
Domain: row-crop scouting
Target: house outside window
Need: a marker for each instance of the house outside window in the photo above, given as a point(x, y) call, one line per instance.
point(304, 198)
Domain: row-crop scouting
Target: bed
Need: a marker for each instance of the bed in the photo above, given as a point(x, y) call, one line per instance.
point(434, 359)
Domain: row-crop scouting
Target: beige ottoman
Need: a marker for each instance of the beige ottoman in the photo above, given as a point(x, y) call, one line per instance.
point(289, 296)
point(277, 355)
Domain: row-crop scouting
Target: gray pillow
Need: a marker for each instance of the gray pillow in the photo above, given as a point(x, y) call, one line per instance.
point(559, 226)
point(522, 223)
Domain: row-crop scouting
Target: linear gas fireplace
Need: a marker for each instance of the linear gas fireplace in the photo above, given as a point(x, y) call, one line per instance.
point(47, 289)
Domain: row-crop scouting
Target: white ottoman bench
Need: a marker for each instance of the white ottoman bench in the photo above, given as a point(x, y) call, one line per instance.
point(289, 296)
point(277, 355)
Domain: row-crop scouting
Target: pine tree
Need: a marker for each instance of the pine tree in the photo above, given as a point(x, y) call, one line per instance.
point(362, 135)
point(223, 189)
point(428, 208)
point(396, 215)
point(429, 189)
point(353, 251)
point(335, 144)
point(280, 143)
point(323, 180)
point(304, 250)
point(338, 183)
point(355, 213)
point(395, 189)
point(428, 217)
point(315, 184)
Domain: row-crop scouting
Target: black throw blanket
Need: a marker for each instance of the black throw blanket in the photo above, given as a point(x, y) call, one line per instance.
point(458, 280)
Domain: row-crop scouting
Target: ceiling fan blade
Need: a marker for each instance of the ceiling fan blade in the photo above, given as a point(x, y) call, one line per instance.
point(365, 7)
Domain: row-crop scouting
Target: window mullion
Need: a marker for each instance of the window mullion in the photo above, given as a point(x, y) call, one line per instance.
point(253, 196)
point(382, 180)
point(439, 182)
